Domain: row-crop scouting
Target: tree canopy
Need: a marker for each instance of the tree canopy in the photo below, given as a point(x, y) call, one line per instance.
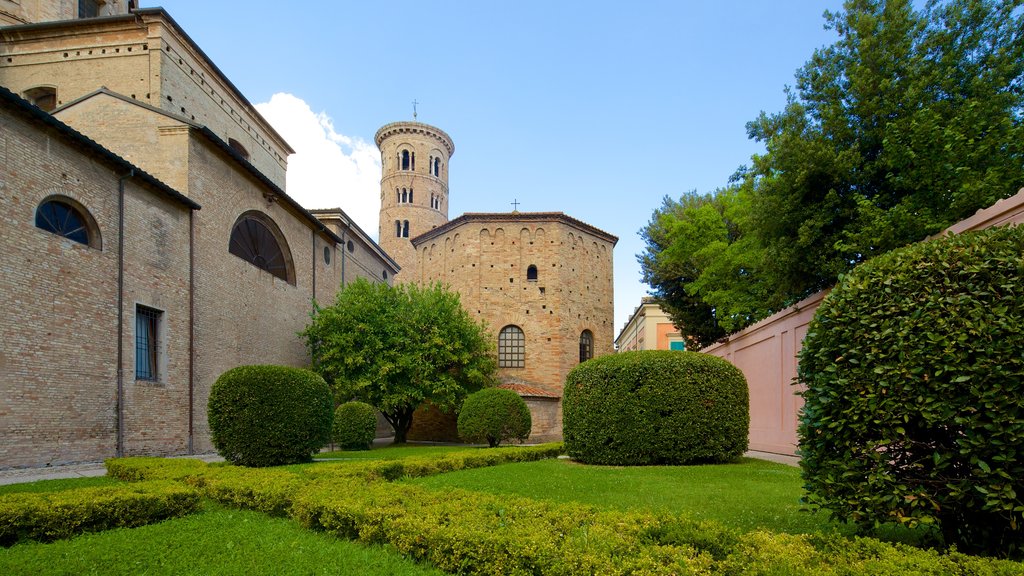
point(397, 347)
point(910, 121)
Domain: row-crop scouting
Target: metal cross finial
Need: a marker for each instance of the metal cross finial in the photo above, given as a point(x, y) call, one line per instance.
point(414, 103)
point(515, 205)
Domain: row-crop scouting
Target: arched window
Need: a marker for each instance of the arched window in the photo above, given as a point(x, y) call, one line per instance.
point(410, 196)
point(257, 240)
point(398, 228)
point(531, 273)
point(511, 347)
point(405, 159)
point(405, 229)
point(405, 195)
point(586, 346)
point(45, 97)
point(67, 218)
point(237, 147)
point(398, 195)
point(437, 167)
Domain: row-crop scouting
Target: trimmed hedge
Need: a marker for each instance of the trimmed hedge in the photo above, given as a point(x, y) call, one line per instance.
point(655, 407)
point(914, 368)
point(494, 415)
point(474, 533)
point(48, 516)
point(355, 426)
point(269, 415)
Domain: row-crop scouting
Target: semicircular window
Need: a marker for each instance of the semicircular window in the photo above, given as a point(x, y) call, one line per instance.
point(253, 241)
point(63, 219)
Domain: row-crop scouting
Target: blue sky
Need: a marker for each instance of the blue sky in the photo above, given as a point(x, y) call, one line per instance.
point(595, 109)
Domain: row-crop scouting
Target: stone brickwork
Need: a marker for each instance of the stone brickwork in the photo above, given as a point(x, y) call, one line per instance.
point(144, 56)
point(59, 328)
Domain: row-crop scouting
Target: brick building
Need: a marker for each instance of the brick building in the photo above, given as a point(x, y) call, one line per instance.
point(150, 245)
point(541, 281)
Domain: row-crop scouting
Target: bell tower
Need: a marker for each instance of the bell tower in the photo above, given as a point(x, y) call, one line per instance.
point(413, 188)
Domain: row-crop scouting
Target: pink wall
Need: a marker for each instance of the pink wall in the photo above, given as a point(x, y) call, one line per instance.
point(767, 351)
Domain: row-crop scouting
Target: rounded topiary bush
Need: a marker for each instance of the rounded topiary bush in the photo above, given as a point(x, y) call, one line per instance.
point(494, 415)
point(355, 426)
point(655, 407)
point(914, 375)
point(269, 415)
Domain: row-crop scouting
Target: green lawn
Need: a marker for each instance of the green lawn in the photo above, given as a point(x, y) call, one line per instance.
point(56, 485)
point(749, 495)
point(215, 541)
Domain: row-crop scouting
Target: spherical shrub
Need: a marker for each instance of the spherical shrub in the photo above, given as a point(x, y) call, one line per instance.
point(355, 426)
point(494, 415)
point(655, 407)
point(269, 415)
point(914, 375)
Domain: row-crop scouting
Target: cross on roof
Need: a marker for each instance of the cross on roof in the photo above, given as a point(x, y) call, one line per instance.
point(414, 103)
point(515, 205)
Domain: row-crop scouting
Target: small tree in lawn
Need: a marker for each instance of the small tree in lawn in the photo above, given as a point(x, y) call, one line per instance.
point(396, 347)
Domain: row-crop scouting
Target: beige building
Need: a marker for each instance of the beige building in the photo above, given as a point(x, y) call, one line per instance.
point(150, 243)
point(541, 281)
point(649, 328)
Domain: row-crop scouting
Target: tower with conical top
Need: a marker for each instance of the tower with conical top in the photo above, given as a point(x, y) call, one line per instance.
point(413, 188)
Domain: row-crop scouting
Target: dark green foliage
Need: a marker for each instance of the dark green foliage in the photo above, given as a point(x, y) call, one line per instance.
point(269, 415)
point(396, 347)
point(54, 515)
point(355, 426)
point(655, 407)
point(494, 415)
point(914, 368)
point(911, 121)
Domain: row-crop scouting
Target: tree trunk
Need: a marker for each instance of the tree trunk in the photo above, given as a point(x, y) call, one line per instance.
point(401, 421)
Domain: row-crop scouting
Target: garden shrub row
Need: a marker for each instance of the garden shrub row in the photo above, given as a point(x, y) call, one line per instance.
point(476, 533)
point(47, 516)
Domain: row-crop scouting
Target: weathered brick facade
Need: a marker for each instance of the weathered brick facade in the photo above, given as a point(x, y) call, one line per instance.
point(544, 272)
point(65, 399)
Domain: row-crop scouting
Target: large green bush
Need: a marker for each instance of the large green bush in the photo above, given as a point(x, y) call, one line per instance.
point(914, 401)
point(269, 415)
point(494, 415)
point(655, 407)
point(355, 426)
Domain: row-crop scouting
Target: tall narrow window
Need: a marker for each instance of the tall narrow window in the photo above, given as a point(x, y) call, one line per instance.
point(437, 167)
point(410, 196)
point(254, 240)
point(405, 229)
point(405, 195)
point(586, 346)
point(147, 330)
point(64, 218)
point(531, 273)
point(511, 347)
point(405, 159)
point(398, 228)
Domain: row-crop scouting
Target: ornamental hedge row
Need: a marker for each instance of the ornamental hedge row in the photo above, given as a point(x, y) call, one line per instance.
point(47, 516)
point(475, 533)
point(655, 407)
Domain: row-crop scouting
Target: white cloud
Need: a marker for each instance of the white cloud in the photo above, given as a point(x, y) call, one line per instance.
point(328, 169)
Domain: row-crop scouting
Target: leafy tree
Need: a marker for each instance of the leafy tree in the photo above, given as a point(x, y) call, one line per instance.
point(397, 347)
point(910, 121)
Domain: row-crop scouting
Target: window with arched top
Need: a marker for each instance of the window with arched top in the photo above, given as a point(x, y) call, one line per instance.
point(405, 229)
point(410, 196)
point(437, 167)
point(405, 195)
point(531, 273)
point(44, 97)
point(398, 228)
point(257, 240)
point(511, 347)
point(237, 147)
point(65, 217)
point(405, 158)
point(586, 346)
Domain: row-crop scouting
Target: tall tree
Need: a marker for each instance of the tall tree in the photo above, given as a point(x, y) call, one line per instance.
point(910, 121)
point(398, 347)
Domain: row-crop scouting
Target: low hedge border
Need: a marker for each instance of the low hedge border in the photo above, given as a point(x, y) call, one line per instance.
point(475, 533)
point(47, 516)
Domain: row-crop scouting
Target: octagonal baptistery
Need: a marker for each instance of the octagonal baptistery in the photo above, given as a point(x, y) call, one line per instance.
point(542, 281)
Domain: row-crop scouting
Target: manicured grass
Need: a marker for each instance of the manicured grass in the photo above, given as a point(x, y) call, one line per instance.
point(393, 452)
point(216, 541)
point(749, 495)
point(57, 485)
